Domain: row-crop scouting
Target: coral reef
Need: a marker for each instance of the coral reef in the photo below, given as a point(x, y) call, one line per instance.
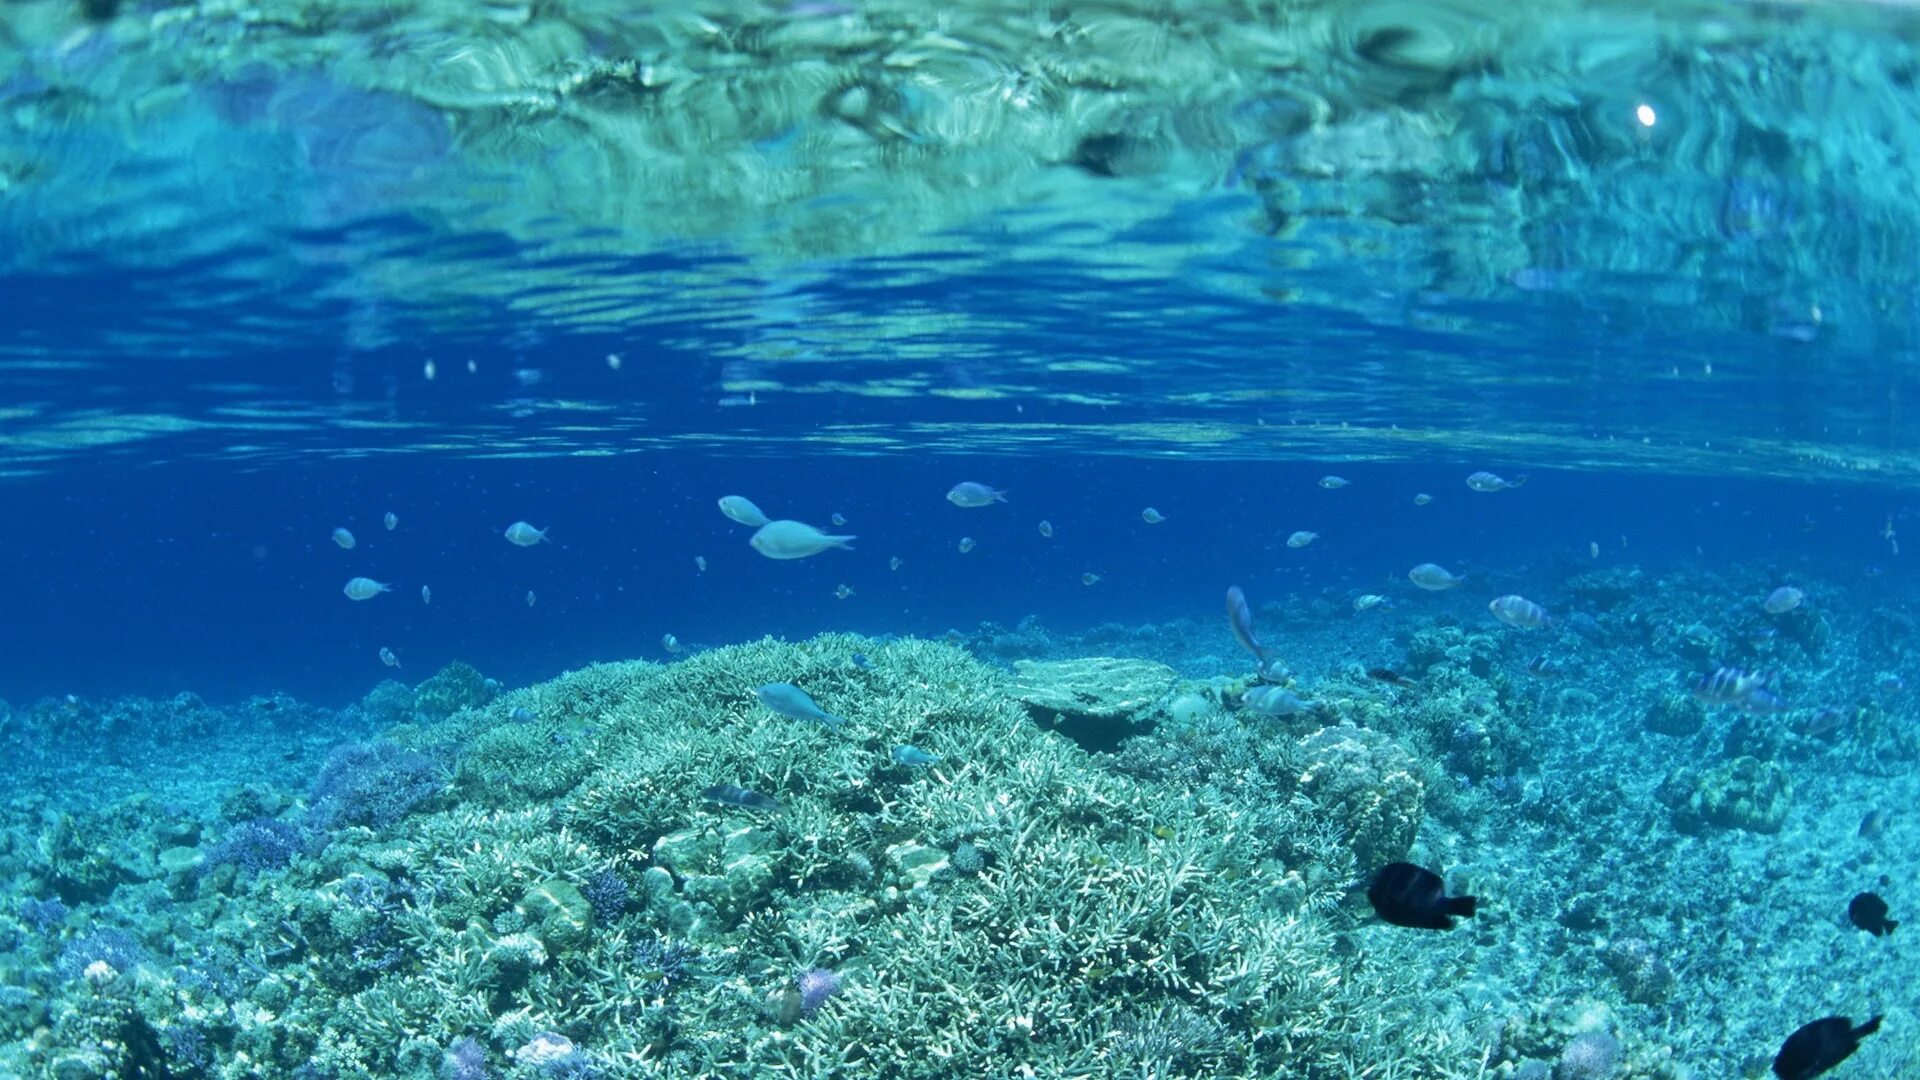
point(1097, 701)
point(1744, 793)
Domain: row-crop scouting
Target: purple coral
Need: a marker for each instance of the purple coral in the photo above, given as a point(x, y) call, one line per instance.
point(465, 1059)
point(816, 985)
point(373, 784)
point(1593, 1056)
point(257, 846)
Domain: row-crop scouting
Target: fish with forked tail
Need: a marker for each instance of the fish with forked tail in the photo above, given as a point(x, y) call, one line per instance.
point(735, 795)
point(1408, 895)
point(1819, 1046)
point(1240, 617)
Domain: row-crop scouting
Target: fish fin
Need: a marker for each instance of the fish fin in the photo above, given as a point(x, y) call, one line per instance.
point(1867, 1028)
point(1892, 926)
point(832, 721)
point(842, 541)
point(1518, 480)
point(1463, 906)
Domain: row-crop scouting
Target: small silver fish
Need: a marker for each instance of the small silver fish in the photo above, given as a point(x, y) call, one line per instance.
point(1782, 600)
point(531, 599)
point(1152, 516)
point(913, 756)
point(1369, 601)
point(391, 521)
point(387, 657)
point(670, 643)
point(1333, 483)
point(970, 495)
point(1433, 578)
point(793, 703)
point(426, 595)
point(837, 519)
point(520, 714)
point(1486, 481)
point(735, 795)
point(966, 544)
point(1302, 539)
point(1046, 530)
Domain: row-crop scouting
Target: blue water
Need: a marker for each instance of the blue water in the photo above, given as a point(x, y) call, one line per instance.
point(229, 584)
point(527, 815)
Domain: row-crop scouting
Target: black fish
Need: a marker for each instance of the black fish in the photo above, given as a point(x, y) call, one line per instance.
point(735, 795)
point(1869, 913)
point(1819, 1046)
point(1407, 895)
point(1390, 676)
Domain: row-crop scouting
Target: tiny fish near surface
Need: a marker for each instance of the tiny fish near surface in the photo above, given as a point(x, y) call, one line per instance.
point(735, 795)
point(361, 588)
point(1486, 481)
point(1819, 1046)
point(1408, 895)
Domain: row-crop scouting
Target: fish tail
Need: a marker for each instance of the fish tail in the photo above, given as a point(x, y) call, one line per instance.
point(832, 721)
point(1892, 926)
point(1867, 1028)
point(1463, 906)
point(843, 541)
point(1518, 479)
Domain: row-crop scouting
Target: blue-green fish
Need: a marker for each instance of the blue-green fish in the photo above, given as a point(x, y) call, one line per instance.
point(735, 795)
point(914, 756)
point(793, 703)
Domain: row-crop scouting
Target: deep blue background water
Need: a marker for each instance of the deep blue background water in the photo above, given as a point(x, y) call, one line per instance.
point(225, 582)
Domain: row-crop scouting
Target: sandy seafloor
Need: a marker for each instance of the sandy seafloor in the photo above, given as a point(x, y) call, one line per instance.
point(525, 882)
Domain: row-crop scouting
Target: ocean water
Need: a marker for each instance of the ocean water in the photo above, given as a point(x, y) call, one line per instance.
point(1182, 281)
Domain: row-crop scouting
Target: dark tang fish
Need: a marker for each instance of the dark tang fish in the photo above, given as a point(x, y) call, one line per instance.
point(735, 795)
point(1819, 1046)
point(1407, 895)
point(1869, 913)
